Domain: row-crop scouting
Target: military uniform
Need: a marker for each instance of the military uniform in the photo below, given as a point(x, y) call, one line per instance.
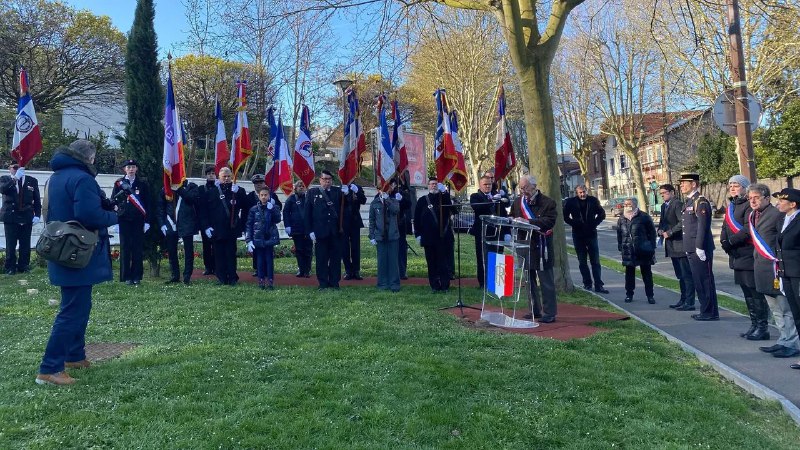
point(133, 199)
point(22, 205)
point(209, 263)
point(352, 223)
point(484, 205)
point(670, 221)
point(321, 217)
point(294, 224)
point(177, 219)
point(787, 249)
point(225, 220)
point(696, 224)
point(434, 226)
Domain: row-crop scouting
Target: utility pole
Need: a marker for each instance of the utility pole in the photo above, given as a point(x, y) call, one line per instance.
point(666, 161)
point(744, 135)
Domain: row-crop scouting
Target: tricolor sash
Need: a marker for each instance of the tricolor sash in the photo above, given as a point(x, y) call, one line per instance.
point(134, 200)
point(525, 209)
point(733, 225)
point(764, 250)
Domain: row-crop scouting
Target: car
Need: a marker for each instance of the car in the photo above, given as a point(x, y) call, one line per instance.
point(614, 206)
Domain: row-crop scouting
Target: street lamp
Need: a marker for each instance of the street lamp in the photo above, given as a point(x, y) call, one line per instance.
point(342, 84)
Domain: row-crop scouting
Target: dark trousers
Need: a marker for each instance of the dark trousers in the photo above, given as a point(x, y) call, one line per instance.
point(303, 250)
point(791, 286)
point(68, 336)
point(209, 263)
point(171, 242)
point(479, 257)
point(706, 289)
point(351, 251)
point(131, 249)
point(647, 277)
point(329, 261)
point(438, 265)
point(402, 255)
point(18, 233)
point(225, 258)
point(265, 263)
point(544, 306)
point(684, 274)
point(587, 246)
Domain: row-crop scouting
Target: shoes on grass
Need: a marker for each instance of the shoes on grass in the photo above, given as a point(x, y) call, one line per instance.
point(56, 379)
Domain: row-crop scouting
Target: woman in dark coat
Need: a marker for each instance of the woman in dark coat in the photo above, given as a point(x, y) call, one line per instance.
point(73, 194)
point(636, 240)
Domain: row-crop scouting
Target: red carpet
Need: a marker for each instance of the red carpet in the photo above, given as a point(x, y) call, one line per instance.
point(572, 321)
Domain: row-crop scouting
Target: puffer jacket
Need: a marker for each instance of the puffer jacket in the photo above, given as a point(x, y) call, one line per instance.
point(262, 228)
point(636, 239)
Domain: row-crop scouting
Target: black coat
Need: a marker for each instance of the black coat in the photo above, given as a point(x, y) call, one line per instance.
point(293, 214)
point(127, 211)
point(321, 215)
point(788, 247)
point(407, 205)
point(352, 209)
point(766, 227)
point(14, 211)
point(186, 221)
point(636, 239)
point(584, 217)
point(223, 211)
point(262, 226)
point(433, 219)
point(738, 246)
point(483, 205)
point(252, 200)
point(670, 221)
point(544, 213)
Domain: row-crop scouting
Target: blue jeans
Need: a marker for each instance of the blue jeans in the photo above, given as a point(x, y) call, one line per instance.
point(68, 336)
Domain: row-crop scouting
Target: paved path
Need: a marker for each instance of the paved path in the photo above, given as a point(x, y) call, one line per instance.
point(717, 343)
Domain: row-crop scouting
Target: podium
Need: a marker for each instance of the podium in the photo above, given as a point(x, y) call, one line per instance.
point(506, 245)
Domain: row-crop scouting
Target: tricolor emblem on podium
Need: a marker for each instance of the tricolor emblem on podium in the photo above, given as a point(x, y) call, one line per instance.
point(500, 274)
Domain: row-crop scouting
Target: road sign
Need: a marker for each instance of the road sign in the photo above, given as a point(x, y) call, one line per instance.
point(725, 115)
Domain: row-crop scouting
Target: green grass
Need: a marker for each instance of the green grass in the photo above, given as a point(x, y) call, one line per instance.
point(222, 367)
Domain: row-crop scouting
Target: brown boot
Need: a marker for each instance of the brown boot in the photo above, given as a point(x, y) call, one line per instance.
point(82, 364)
point(58, 379)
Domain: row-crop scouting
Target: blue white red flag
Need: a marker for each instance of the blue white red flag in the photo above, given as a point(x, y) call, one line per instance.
point(222, 155)
point(444, 152)
point(399, 151)
point(500, 274)
point(279, 175)
point(27, 135)
point(458, 176)
point(504, 158)
point(385, 169)
point(174, 169)
point(241, 149)
point(303, 154)
point(355, 142)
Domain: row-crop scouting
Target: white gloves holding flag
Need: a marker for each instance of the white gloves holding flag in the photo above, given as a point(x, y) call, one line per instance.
point(441, 187)
point(250, 247)
point(701, 254)
point(384, 195)
point(146, 227)
point(398, 197)
point(373, 242)
point(419, 240)
point(164, 230)
point(345, 189)
point(235, 188)
point(354, 188)
point(36, 220)
point(312, 236)
point(20, 173)
point(270, 204)
point(116, 228)
point(288, 230)
point(501, 192)
point(497, 197)
point(209, 232)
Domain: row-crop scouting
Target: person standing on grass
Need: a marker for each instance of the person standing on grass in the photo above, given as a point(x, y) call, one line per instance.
point(134, 214)
point(73, 194)
point(321, 220)
point(209, 263)
point(295, 228)
point(735, 240)
point(584, 213)
point(22, 208)
point(787, 248)
point(670, 229)
point(636, 241)
point(765, 222)
point(433, 229)
point(384, 233)
point(262, 236)
point(178, 220)
point(484, 203)
point(405, 220)
point(352, 223)
point(223, 223)
point(251, 200)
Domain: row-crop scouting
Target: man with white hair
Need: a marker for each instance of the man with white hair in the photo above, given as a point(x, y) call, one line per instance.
point(537, 209)
point(223, 223)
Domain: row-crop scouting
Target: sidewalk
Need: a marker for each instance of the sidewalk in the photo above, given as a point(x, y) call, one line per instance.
point(716, 343)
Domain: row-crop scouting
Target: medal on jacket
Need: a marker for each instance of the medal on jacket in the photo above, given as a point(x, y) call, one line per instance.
point(776, 283)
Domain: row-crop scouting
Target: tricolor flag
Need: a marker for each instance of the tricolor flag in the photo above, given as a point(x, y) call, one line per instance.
point(240, 141)
point(27, 135)
point(504, 159)
point(458, 176)
point(355, 142)
point(500, 274)
point(399, 151)
point(174, 169)
point(303, 154)
point(444, 151)
point(222, 156)
point(280, 174)
point(385, 169)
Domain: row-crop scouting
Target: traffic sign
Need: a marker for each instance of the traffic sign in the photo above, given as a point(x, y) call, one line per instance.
point(725, 115)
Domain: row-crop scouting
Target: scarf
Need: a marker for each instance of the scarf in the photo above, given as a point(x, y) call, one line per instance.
point(629, 215)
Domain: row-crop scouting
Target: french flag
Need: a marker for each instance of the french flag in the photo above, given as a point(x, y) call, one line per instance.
point(504, 159)
point(500, 274)
point(174, 169)
point(354, 141)
point(240, 141)
point(280, 174)
point(222, 155)
point(399, 152)
point(303, 155)
point(444, 150)
point(27, 135)
point(386, 167)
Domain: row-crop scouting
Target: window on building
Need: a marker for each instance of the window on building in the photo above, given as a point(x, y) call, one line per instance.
point(611, 166)
point(622, 162)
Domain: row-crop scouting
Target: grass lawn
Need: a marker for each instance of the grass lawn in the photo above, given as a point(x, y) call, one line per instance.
point(222, 367)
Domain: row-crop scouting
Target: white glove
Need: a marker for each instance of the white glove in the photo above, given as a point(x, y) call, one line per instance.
point(345, 189)
point(312, 236)
point(36, 220)
point(507, 238)
point(398, 197)
point(441, 187)
point(250, 247)
point(384, 195)
point(288, 230)
point(701, 254)
point(146, 227)
point(354, 188)
point(20, 173)
point(419, 240)
point(116, 228)
point(501, 192)
point(270, 204)
point(164, 229)
point(209, 232)
point(235, 188)
point(497, 197)
point(373, 242)
point(271, 201)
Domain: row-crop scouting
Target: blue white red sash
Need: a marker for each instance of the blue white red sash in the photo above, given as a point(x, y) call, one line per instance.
point(525, 209)
point(764, 250)
point(733, 225)
point(137, 203)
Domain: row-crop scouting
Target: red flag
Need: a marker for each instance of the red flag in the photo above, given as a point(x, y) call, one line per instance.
point(240, 141)
point(458, 176)
point(27, 135)
point(355, 142)
point(222, 156)
point(504, 159)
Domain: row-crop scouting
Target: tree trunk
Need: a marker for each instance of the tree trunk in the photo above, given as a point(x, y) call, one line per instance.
point(638, 179)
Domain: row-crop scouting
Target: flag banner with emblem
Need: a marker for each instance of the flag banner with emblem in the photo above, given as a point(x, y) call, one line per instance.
point(385, 169)
point(280, 174)
point(303, 154)
point(399, 151)
point(355, 142)
point(27, 135)
point(273, 134)
point(500, 274)
point(174, 169)
point(458, 176)
point(444, 151)
point(504, 158)
point(222, 155)
point(240, 140)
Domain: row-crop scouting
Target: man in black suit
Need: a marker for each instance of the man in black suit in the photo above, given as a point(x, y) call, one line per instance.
point(698, 244)
point(584, 213)
point(208, 244)
point(352, 223)
point(223, 223)
point(483, 203)
point(132, 196)
point(788, 250)
point(433, 228)
point(670, 229)
point(294, 224)
point(321, 220)
point(177, 219)
point(22, 208)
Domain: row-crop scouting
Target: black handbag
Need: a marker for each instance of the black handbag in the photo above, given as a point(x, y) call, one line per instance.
point(68, 244)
